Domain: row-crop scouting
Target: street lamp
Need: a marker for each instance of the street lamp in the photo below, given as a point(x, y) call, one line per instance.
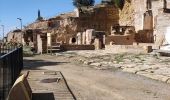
point(21, 27)
point(20, 22)
point(3, 32)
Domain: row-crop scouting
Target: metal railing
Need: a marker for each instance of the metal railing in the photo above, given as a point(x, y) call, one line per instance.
point(11, 64)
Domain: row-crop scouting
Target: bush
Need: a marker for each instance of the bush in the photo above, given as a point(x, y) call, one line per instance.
point(119, 3)
point(80, 3)
point(27, 51)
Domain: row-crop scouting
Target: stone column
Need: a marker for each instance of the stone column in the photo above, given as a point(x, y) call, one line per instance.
point(79, 38)
point(89, 34)
point(48, 39)
point(84, 38)
point(39, 44)
point(148, 20)
point(98, 44)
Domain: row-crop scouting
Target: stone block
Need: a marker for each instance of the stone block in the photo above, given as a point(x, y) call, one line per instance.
point(20, 90)
point(147, 49)
point(98, 43)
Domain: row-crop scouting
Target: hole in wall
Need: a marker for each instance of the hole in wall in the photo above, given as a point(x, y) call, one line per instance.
point(73, 40)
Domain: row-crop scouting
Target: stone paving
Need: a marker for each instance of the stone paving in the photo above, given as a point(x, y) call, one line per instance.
point(150, 65)
point(48, 85)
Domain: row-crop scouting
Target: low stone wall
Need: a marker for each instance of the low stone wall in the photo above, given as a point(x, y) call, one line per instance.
point(144, 36)
point(78, 47)
point(129, 48)
point(120, 39)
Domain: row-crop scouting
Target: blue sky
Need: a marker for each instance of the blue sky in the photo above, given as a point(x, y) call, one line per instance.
point(10, 10)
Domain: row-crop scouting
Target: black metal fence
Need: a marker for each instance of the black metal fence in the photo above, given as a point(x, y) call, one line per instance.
point(11, 64)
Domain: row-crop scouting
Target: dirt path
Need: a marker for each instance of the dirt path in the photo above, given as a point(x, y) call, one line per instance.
point(91, 84)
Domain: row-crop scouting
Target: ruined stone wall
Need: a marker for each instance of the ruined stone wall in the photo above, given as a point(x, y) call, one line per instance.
point(126, 15)
point(38, 25)
point(100, 18)
point(10, 36)
point(14, 37)
point(161, 22)
point(139, 10)
point(159, 19)
point(66, 30)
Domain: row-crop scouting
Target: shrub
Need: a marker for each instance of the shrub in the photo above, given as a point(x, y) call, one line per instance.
point(80, 3)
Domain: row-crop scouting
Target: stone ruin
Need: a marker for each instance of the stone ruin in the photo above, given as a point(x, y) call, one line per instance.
point(95, 27)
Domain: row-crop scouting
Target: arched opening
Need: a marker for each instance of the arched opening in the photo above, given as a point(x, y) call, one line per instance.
point(73, 40)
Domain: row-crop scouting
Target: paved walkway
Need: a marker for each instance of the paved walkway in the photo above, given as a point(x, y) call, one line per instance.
point(49, 85)
point(90, 84)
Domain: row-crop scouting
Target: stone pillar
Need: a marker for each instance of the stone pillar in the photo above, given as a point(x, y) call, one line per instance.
point(89, 34)
point(84, 38)
point(48, 39)
point(98, 44)
point(148, 20)
point(79, 38)
point(140, 8)
point(39, 44)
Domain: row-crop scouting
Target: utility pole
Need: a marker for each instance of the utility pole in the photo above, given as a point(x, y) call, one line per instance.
point(3, 32)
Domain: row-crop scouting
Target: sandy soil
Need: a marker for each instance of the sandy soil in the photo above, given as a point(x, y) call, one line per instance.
point(91, 84)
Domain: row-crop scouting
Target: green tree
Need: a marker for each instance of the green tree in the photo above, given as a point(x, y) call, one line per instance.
point(80, 3)
point(119, 3)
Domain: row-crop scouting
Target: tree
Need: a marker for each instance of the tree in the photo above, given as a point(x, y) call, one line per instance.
point(119, 3)
point(80, 3)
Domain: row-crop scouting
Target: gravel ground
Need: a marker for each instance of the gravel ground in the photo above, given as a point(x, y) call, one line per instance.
point(95, 75)
point(149, 65)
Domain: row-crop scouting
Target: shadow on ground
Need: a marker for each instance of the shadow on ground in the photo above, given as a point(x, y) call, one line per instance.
point(36, 64)
point(43, 96)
